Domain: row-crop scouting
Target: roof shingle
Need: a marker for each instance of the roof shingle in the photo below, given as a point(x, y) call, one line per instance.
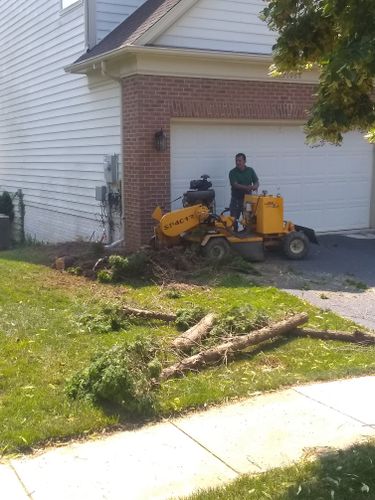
point(132, 28)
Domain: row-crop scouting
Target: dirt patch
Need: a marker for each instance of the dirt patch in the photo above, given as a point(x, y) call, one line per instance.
point(283, 275)
point(181, 269)
point(65, 281)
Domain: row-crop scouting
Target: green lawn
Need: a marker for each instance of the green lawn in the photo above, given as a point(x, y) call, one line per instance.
point(342, 475)
point(43, 342)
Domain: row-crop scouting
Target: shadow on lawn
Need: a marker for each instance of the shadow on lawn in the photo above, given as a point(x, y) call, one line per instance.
point(346, 475)
point(337, 264)
point(343, 475)
point(265, 347)
point(46, 254)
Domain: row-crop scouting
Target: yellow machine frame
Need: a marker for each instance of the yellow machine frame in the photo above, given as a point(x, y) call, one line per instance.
point(263, 223)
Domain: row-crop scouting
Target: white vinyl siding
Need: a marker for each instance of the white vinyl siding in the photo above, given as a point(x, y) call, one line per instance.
point(110, 13)
point(223, 25)
point(55, 128)
point(326, 188)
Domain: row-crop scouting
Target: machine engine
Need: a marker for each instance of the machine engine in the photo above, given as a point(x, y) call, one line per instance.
point(200, 192)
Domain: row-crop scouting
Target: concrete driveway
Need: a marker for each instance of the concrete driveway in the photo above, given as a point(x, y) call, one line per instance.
point(349, 255)
point(338, 274)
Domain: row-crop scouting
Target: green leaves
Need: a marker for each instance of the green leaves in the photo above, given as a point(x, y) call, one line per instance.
point(122, 375)
point(339, 38)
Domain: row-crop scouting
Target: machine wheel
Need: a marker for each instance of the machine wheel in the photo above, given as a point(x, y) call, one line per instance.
point(296, 245)
point(216, 249)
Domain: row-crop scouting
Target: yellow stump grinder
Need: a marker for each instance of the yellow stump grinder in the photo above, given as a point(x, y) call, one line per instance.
point(262, 226)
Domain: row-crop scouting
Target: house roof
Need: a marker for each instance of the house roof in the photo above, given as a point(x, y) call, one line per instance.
point(134, 26)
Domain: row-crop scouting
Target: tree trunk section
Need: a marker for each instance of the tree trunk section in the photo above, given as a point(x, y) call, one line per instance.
point(227, 349)
point(192, 337)
point(356, 336)
point(143, 313)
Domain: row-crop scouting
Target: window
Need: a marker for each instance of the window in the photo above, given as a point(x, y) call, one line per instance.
point(68, 3)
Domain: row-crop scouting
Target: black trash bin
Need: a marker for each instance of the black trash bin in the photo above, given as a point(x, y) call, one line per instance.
point(4, 232)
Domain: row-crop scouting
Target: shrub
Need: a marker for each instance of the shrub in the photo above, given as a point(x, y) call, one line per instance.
point(6, 205)
point(123, 376)
point(120, 268)
point(74, 270)
point(104, 276)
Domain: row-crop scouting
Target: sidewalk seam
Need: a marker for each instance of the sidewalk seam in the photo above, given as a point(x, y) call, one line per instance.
point(209, 451)
point(11, 466)
point(334, 409)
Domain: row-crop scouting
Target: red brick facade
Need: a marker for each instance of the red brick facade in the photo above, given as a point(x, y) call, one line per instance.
point(150, 102)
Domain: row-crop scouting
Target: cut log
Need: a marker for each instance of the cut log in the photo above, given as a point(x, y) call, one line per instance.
point(189, 339)
point(227, 349)
point(143, 313)
point(357, 336)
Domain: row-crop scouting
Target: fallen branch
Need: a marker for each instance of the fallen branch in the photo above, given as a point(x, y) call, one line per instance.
point(357, 336)
point(227, 349)
point(187, 340)
point(143, 313)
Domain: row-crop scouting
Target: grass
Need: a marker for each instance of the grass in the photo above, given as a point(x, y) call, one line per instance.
point(359, 285)
point(342, 475)
point(44, 342)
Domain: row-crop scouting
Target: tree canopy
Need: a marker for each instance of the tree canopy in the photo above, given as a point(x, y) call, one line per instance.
point(338, 37)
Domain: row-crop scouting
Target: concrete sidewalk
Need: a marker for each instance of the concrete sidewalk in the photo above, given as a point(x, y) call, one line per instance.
point(207, 449)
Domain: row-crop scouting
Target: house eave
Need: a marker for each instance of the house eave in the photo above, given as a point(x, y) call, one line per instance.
point(164, 61)
point(91, 64)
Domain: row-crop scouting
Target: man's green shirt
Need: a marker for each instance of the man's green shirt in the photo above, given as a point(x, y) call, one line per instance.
point(245, 177)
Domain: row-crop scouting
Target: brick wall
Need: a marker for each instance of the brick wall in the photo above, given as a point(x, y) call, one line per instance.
point(150, 102)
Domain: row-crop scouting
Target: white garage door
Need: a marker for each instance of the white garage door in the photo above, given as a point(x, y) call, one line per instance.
point(327, 188)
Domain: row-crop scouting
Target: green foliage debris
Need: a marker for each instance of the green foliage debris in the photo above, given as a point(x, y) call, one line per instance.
point(238, 321)
point(122, 376)
point(188, 317)
point(122, 268)
point(108, 319)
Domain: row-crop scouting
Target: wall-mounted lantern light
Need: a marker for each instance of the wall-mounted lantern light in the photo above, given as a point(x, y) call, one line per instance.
point(160, 140)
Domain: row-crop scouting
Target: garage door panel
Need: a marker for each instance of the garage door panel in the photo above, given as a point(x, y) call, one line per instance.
point(285, 165)
point(328, 188)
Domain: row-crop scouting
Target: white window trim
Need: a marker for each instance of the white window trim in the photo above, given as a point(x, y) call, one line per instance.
point(68, 8)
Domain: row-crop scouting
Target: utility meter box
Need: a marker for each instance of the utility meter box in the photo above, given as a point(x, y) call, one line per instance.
point(4, 232)
point(101, 193)
point(111, 169)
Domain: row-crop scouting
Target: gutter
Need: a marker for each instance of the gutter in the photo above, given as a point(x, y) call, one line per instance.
point(95, 62)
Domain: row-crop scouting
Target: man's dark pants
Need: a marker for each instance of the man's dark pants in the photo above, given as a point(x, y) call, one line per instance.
point(236, 207)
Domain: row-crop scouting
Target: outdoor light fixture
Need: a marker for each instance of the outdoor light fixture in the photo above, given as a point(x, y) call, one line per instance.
point(160, 140)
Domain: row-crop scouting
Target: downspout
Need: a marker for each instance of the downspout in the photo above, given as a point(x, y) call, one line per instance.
point(104, 72)
point(90, 23)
